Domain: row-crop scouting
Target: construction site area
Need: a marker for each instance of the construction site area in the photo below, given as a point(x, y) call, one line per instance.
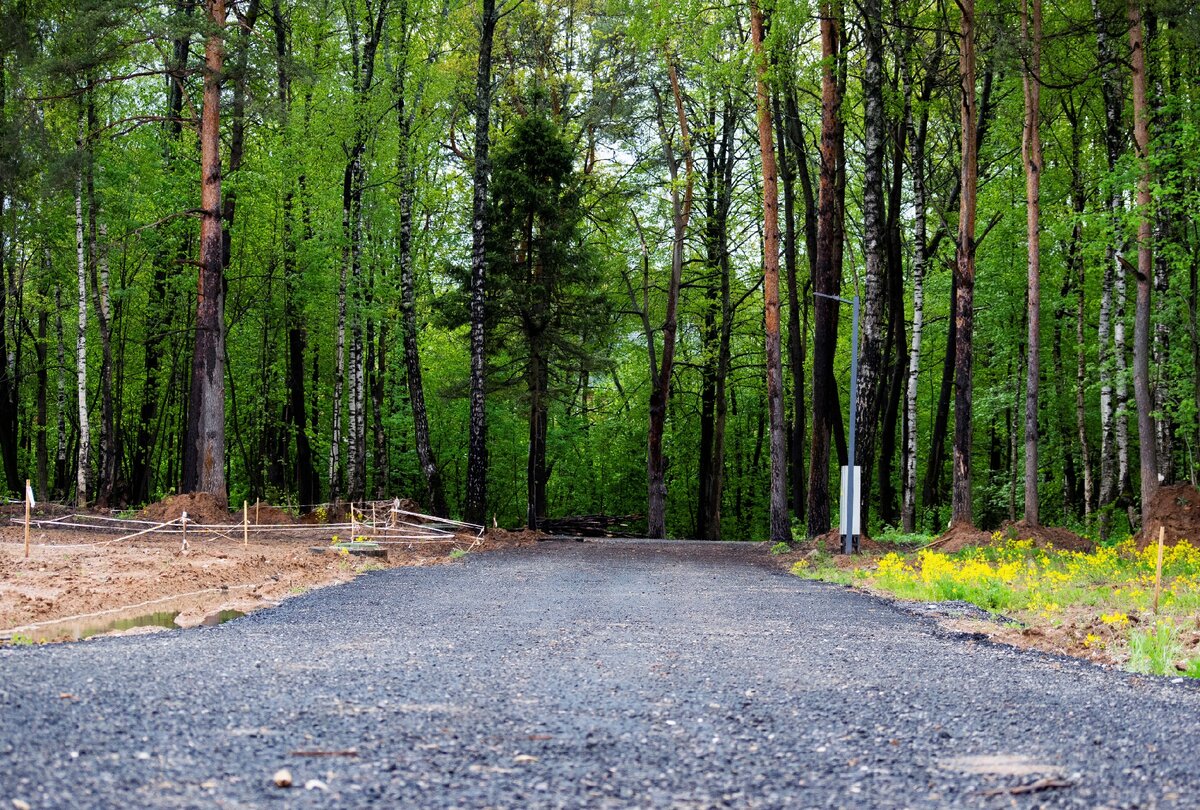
point(68, 574)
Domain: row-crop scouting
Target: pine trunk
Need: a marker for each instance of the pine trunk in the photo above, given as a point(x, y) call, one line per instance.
point(204, 450)
point(780, 529)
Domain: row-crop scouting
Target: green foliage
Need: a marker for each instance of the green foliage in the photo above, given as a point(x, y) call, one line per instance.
point(1153, 651)
point(781, 548)
point(580, 242)
point(895, 536)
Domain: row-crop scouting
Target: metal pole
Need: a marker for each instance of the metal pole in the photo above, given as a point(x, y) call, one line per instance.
point(850, 541)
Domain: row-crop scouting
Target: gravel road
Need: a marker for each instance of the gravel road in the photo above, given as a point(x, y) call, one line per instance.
point(585, 674)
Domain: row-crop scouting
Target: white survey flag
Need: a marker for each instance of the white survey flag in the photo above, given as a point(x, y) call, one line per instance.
point(29, 494)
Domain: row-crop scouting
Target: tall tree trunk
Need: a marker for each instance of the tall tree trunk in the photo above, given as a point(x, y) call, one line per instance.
point(1148, 455)
point(8, 380)
point(537, 385)
point(41, 355)
point(83, 455)
point(435, 496)
point(964, 270)
point(477, 462)
point(719, 162)
point(920, 256)
point(305, 474)
point(108, 428)
point(336, 490)
point(660, 394)
point(98, 272)
point(204, 451)
point(1031, 152)
point(790, 155)
point(1111, 327)
point(1076, 269)
point(870, 367)
point(61, 453)
point(827, 276)
point(780, 528)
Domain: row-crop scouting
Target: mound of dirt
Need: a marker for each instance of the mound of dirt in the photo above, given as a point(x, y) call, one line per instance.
point(267, 515)
point(831, 542)
point(201, 507)
point(505, 537)
point(956, 538)
point(1175, 508)
point(1046, 536)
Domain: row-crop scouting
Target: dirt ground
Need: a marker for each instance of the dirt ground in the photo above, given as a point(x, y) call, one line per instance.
point(76, 583)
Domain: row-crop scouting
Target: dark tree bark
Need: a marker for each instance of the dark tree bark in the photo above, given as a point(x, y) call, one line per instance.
point(870, 366)
point(827, 275)
point(964, 270)
point(780, 529)
point(477, 465)
point(204, 449)
point(1147, 446)
point(660, 378)
point(1111, 327)
point(791, 157)
point(719, 165)
point(435, 493)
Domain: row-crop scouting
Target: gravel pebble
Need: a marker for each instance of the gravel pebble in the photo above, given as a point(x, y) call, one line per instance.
point(586, 674)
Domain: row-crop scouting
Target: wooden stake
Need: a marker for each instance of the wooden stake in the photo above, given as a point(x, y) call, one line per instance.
point(183, 519)
point(395, 512)
point(256, 520)
point(1162, 530)
point(374, 524)
point(246, 523)
point(27, 518)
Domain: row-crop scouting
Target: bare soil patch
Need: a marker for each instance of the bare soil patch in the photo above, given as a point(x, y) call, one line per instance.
point(1046, 536)
point(956, 538)
point(77, 573)
point(1176, 509)
point(266, 515)
point(201, 507)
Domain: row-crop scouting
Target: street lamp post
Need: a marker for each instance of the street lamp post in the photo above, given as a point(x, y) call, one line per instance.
point(850, 506)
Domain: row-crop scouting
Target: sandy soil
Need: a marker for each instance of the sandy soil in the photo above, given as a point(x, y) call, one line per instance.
point(75, 577)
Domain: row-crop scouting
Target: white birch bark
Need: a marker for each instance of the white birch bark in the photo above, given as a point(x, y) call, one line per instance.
point(81, 479)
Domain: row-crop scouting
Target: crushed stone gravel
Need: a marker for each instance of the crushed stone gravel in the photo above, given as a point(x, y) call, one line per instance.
point(602, 674)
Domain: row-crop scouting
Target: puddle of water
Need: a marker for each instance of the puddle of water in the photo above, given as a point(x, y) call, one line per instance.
point(79, 630)
point(212, 620)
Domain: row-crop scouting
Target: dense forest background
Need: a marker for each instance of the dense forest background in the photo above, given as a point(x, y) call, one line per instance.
point(511, 259)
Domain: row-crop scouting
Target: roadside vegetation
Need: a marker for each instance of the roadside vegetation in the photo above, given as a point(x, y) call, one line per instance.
point(1100, 604)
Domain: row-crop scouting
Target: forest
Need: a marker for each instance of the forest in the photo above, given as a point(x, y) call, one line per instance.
point(526, 259)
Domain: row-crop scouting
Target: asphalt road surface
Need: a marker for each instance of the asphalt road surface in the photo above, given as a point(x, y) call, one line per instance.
point(586, 675)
